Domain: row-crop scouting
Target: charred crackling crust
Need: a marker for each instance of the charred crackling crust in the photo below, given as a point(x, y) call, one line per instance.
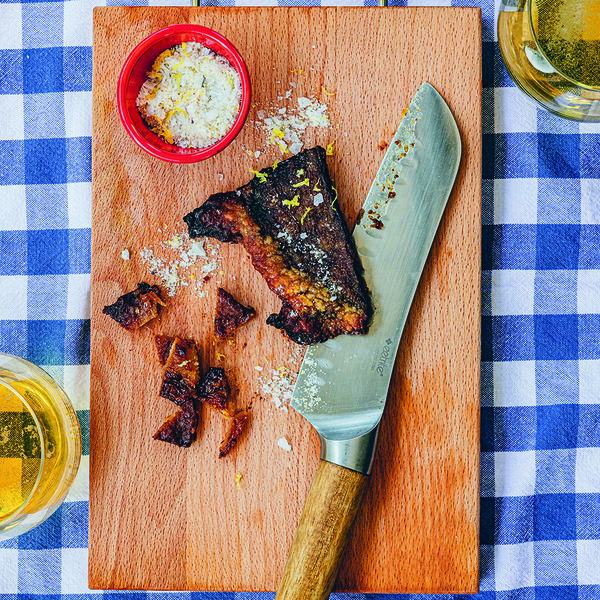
point(163, 345)
point(288, 221)
point(214, 390)
point(180, 377)
point(181, 384)
point(136, 308)
point(180, 428)
point(230, 314)
point(181, 374)
point(235, 426)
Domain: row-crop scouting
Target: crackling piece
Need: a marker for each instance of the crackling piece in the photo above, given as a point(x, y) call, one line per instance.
point(214, 391)
point(230, 314)
point(136, 308)
point(181, 373)
point(163, 345)
point(288, 220)
point(180, 428)
point(235, 426)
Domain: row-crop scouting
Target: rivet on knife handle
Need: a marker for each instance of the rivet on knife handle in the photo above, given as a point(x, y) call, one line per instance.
point(322, 534)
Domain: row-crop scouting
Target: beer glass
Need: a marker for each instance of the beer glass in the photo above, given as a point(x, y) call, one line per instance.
point(551, 50)
point(40, 445)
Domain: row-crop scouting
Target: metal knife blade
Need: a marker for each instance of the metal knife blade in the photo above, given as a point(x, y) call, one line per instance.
point(342, 385)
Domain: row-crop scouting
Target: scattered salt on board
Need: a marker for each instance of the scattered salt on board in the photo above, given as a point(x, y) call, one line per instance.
point(283, 443)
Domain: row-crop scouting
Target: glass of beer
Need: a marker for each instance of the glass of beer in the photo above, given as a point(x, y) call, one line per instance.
point(40, 445)
point(551, 50)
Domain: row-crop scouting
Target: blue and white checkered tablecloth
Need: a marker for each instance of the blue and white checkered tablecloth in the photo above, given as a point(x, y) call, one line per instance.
point(540, 430)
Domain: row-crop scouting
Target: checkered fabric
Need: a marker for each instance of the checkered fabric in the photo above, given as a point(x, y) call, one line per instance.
point(540, 430)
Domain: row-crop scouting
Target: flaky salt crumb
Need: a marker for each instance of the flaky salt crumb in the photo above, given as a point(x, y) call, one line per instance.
point(278, 386)
point(174, 260)
point(125, 254)
point(284, 444)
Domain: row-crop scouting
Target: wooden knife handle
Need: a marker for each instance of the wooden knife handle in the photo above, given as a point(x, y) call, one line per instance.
point(320, 540)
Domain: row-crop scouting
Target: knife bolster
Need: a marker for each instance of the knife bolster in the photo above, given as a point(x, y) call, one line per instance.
point(355, 454)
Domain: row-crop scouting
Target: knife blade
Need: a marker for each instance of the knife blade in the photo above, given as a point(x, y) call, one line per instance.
point(343, 383)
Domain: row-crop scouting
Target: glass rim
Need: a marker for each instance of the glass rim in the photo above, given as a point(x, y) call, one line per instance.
point(16, 514)
point(541, 50)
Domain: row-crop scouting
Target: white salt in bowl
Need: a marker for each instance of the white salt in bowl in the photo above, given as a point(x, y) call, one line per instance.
point(134, 74)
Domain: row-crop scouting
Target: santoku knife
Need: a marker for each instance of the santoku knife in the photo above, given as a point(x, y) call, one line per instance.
point(342, 385)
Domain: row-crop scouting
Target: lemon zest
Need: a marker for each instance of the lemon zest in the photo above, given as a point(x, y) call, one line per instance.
point(175, 67)
point(326, 92)
point(330, 147)
point(304, 215)
point(301, 183)
point(295, 201)
point(276, 133)
point(172, 112)
point(262, 177)
point(154, 91)
point(161, 59)
point(164, 132)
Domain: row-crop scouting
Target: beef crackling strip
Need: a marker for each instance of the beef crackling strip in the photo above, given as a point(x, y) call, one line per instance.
point(215, 391)
point(235, 426)
point(182, 372)
point(136, 308)
point(180, 428)
point(163, 345)
point(230, 314)
point(288, 220)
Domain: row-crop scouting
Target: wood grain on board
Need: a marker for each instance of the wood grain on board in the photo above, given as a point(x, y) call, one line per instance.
point(168, 518)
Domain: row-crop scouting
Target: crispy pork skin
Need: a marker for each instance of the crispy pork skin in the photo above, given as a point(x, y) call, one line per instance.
point(136, 308)
point(288, 220)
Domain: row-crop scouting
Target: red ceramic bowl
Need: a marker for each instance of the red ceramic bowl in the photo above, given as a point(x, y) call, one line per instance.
point(134, 73)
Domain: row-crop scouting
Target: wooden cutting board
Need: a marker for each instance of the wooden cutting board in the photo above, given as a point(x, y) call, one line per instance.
point(162, 517)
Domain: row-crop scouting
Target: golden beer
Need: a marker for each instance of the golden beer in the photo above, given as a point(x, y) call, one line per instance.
point(40, 445)
point(551, 50)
